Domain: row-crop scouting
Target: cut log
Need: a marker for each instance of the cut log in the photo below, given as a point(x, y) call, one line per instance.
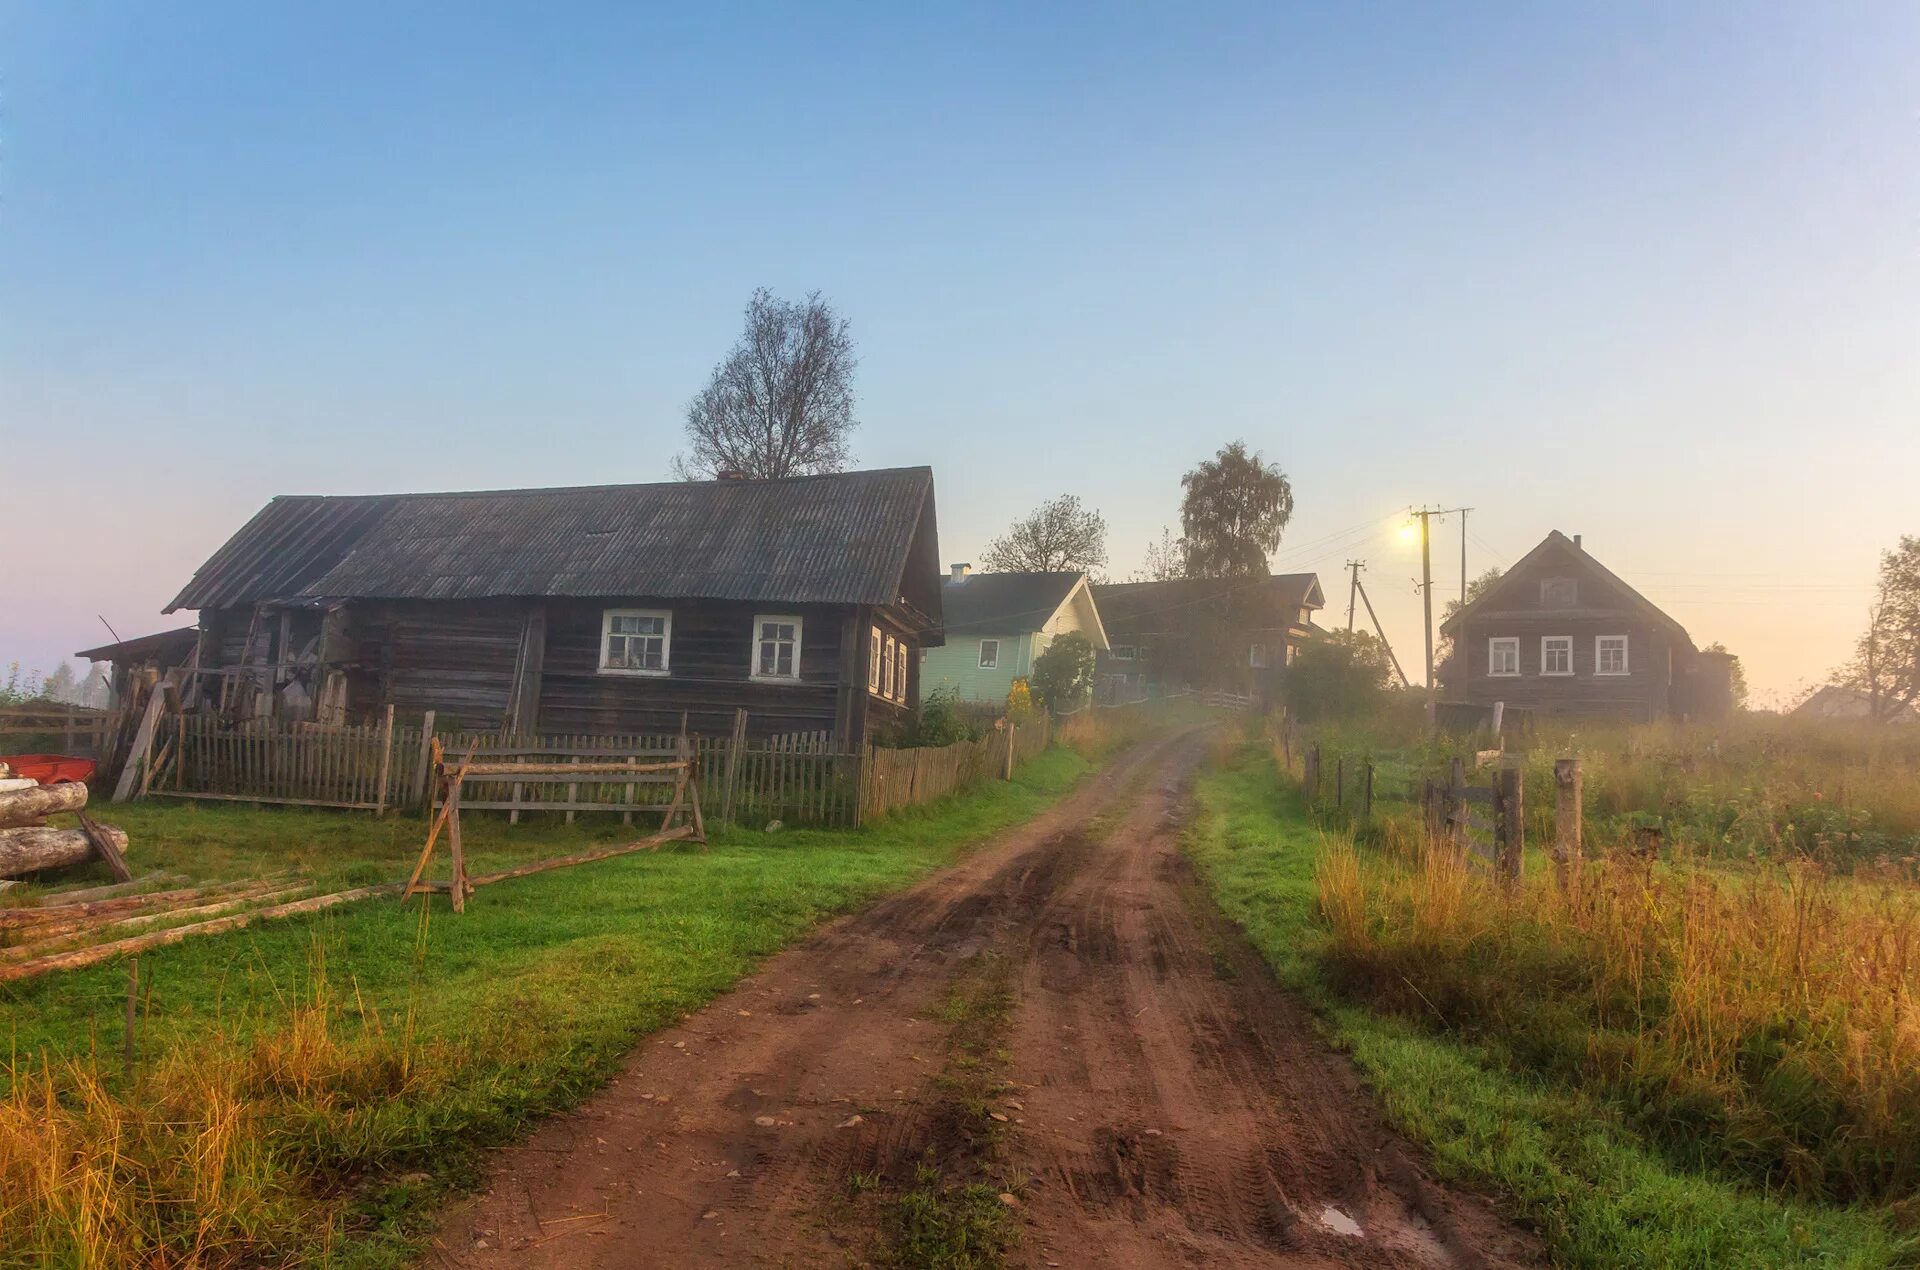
point(160, 939)
point(24, 806)
point(109, 892)
point(30, 849)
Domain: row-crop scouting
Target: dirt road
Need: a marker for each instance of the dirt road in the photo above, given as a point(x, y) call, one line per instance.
point(1155, 1099)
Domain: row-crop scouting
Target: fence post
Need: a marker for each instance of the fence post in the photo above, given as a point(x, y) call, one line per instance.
point(1310, 774)
point(1340, 782)
point(1010, 731)
point(386, 761)
point(426, 759)
point(1366, 792)
point(1566, 820)
point(1510, 822)
point(1456, 810)
point(733, 762)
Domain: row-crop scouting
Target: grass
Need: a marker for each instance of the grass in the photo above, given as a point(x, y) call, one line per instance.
point(307, 1089)
point(951, 1216)
point(1562, 1158)
point(1756, 787)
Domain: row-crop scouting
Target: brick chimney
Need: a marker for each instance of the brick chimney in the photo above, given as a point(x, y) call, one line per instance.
point(1576, 543)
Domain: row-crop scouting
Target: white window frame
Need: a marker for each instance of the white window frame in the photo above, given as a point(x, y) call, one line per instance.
point(666, 642)
point(889, 660)
point(1506, 641)
point(799, 635)
point(1556, 639)
point(1117, 654)
point(873, 662)
point(1626, 656)
point(902, 651)
point(989, 663)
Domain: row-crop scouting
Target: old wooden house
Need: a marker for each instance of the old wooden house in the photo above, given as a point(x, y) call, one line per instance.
point(1559, 634)
point(598, 610)
point(1232, 634)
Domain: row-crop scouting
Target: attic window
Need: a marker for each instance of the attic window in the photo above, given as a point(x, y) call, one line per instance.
point(1121, 652)
point(1559, 593)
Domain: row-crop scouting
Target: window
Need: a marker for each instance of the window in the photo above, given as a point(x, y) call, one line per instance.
point(776, 651)
point(1610, 655)
point(873, 663)
point(635, 641)
point(900, 672)
point(1559, 593)
point(1503, 656)
point(888, 658)
point(1556, 654)
point(1121, 652)
point(989, 654)
point(1257, 656)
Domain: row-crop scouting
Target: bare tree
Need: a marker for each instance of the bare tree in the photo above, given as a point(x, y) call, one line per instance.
point(1059, 536)
point(781, 402)
point(1166, 559)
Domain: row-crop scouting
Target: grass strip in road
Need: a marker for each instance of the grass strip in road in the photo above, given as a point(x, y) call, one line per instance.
point(307, 1091)
point(1559, 1159)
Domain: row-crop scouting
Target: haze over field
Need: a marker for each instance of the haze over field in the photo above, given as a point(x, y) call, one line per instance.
point(1644, 273)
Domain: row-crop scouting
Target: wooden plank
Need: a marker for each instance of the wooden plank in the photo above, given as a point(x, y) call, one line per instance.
point(106, 845)
point(386, 762)
point(142, 742)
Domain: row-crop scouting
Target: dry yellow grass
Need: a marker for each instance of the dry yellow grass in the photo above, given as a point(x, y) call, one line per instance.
point(1767, 1022)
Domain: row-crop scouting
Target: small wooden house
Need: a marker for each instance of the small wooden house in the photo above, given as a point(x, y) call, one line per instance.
point(609, 609)
point(998, 623)
point(1559, 634)
point(1233, 634)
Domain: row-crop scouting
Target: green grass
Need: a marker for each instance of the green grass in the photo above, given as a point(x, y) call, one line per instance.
point(1558, 1159)
point(525, 1003)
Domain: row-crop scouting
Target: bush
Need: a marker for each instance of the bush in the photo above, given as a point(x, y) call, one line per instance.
point(1063, 675)
point(941, 720)
point(1339, 675)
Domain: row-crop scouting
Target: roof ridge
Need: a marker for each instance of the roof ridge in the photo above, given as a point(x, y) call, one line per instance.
point(616, 485)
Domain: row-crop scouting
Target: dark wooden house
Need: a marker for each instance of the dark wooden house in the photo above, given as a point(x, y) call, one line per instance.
point(1559, 634)
point(596, 610)
point(1234, 634)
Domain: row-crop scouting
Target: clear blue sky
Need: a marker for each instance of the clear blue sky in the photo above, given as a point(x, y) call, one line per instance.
point(1649, 272)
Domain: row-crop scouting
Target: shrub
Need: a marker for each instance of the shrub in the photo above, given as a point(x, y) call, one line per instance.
point(941, 720)
point(1063, 675)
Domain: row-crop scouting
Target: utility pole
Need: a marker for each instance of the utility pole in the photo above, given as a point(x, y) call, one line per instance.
point(1354, 590)
point(1381, 631)
point(1427, 598)
point(1463, 555)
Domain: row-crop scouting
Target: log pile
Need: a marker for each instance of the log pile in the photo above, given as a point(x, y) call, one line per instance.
point(28, 844)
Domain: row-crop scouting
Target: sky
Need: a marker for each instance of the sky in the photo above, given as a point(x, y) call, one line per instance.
point(1645, 272)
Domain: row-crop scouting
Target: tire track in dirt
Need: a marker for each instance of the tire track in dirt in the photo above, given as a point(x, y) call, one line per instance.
point(1179, 1109)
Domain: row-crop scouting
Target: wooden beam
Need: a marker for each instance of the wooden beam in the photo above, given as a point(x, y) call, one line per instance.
point(142, 742)
point(25, 806)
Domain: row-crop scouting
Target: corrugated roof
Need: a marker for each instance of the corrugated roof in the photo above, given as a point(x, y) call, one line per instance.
point(840, 538)
point(1134, 606)
point(1004, 601)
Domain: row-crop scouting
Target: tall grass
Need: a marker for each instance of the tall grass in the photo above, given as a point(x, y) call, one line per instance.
point(1766, 1025)
point(228, 1153)
point(1755, 787)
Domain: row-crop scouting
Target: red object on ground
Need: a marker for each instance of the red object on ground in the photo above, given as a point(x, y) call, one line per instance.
point(50, 769)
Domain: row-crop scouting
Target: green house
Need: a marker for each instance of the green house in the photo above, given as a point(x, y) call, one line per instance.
point(997, 623)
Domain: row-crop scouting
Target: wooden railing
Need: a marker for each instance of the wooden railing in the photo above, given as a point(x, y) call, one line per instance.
point(68, 728)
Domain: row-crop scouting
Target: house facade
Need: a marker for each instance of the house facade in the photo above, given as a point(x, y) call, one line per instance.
point(997, 624)
point(1235, 634)
point(1559, 634)
point(595, 610)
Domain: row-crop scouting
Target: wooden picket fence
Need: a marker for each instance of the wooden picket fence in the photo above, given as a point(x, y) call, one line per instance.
point(794, 778)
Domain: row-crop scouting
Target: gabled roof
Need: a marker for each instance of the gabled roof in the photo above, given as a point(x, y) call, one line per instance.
point(988, 602)
point(1838, 701)
point(845, 538)
point(1127, 605)
point(1557, 541)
